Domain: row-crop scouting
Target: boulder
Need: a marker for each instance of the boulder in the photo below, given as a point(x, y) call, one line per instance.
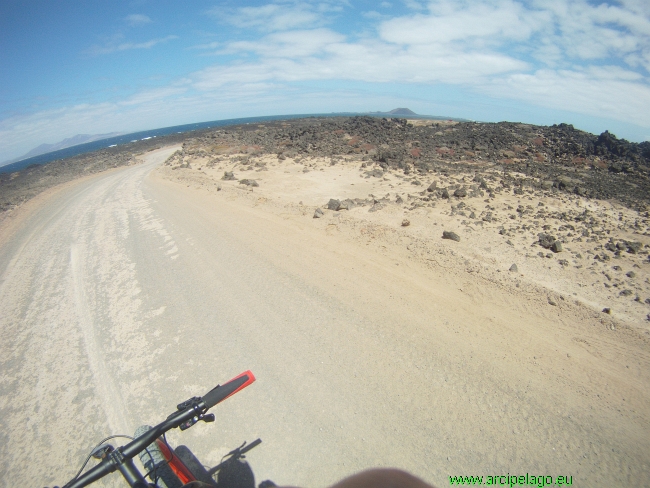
point(347, 204)
point(546, 240)
point(451, 236)
point(334, 204)
point(248, 182)
point(634, 247)
point(377, 173)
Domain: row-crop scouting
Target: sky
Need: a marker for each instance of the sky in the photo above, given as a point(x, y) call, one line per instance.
point(77, 67)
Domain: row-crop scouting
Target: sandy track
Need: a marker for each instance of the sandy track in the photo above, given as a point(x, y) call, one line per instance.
point(128, 293)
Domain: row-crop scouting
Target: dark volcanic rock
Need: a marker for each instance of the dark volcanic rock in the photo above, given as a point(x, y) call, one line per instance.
point(347, 204)
point(633, 247)
point(228, 175)
point(377, 173)
point(248, 182)
point(333, 204)
point(546, 240)
point(450, 235)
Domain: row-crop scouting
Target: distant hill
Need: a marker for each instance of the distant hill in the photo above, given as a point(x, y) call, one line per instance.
point(69, 142)
point(406, 112)
point(402, 111)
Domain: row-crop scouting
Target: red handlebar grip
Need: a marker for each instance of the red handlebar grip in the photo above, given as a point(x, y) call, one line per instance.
point(221, 392)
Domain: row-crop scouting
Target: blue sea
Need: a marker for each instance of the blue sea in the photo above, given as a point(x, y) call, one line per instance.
point(137, 136)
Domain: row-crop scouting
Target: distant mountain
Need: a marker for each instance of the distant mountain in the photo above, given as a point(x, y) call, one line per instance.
point(405, 112)
point(402, 111)
point(69, 142)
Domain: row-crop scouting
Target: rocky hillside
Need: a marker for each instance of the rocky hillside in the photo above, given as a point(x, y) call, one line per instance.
point(557, 157)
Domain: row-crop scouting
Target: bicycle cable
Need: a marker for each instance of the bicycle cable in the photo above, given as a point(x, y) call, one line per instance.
point(93, 449)
point(157, 466)
point(155, 474)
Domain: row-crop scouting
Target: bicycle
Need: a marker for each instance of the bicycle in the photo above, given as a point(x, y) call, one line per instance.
point(158, 458)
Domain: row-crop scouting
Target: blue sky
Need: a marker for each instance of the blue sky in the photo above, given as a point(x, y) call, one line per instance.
point(70, 67)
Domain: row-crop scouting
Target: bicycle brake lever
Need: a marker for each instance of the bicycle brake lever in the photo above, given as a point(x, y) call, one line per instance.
point(206, 417)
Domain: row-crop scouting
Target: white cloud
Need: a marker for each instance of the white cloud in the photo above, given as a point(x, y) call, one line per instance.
point(595, 92)
point(270, 17)
point(20, 133)
point(281, 14)
point(137, 19)
point(291, 44)
point(126, 46)
point(209, 45)
point(448, 22)
point(589, 32)
point(152, 94)
point(369, 61)
point(639, 7)
point(413, 4)
point(373, 14)
point(611, 73)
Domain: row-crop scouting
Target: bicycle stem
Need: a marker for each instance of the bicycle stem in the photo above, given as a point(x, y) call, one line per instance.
point(121, 458)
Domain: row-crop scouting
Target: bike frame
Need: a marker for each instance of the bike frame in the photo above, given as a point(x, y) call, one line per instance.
point(181, 471)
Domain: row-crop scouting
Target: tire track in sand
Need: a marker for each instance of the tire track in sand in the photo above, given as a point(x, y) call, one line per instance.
point(106, 389)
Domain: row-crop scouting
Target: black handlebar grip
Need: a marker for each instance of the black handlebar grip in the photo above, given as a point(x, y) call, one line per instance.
point(221, 392)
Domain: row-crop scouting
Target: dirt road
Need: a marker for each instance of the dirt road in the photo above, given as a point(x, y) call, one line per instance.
point(127, 293)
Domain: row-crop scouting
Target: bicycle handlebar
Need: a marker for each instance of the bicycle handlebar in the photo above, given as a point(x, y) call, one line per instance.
point(220, 393)
point(194, 410)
